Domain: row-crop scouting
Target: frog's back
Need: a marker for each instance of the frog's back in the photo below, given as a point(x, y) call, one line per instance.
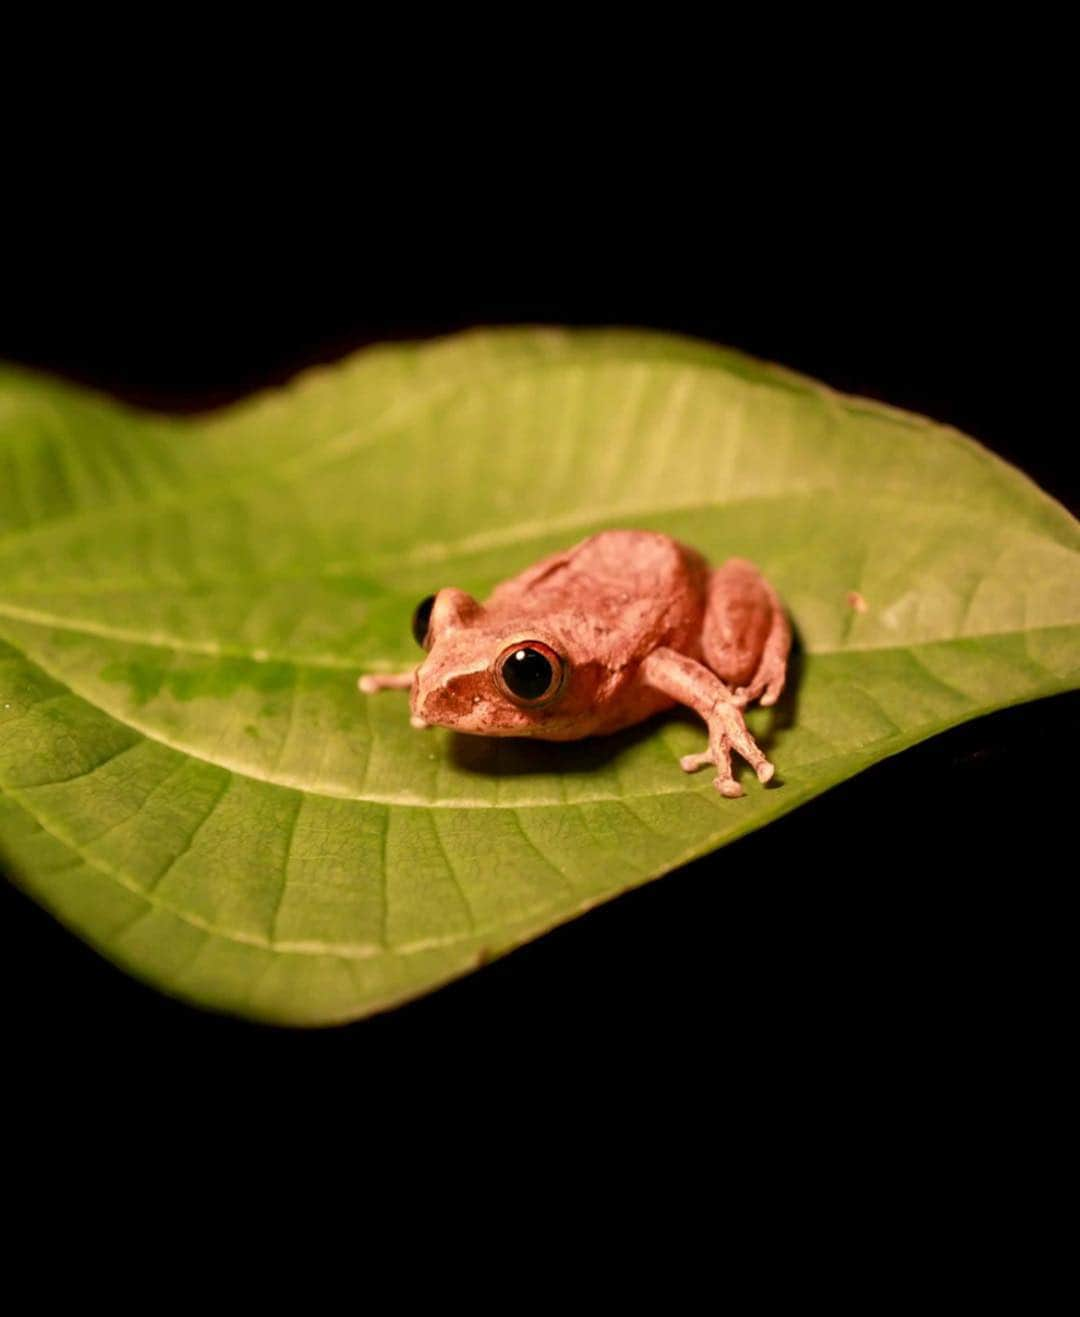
point(632, 579)
point(641, 563)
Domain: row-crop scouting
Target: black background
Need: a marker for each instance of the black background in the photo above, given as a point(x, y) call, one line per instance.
point(895, 935)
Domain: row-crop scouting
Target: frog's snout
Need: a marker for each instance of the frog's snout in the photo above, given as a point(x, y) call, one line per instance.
point(432, 701)
point(451, 699)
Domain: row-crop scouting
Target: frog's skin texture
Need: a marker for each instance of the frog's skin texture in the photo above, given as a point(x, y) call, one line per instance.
point(639, 621)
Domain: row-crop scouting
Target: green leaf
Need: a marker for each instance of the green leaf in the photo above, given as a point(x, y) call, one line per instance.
point(190, 779)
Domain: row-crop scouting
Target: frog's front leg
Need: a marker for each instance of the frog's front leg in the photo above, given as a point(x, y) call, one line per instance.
point(371, 682)
point(694, 685)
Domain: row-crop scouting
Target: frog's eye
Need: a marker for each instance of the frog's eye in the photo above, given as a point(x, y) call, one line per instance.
point(421, 621)
point(529, 673)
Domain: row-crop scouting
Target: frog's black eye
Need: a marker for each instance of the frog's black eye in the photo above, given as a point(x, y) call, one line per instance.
point(529, 673)
point(421, 620)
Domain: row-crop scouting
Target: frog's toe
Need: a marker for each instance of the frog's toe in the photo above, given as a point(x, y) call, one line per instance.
point(773, 693)
point(773, 679)
point(727, 786)
point(720, 756)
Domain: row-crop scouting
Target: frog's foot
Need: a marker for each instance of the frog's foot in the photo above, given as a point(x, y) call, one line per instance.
point(768, 685)
point(768, 682)
point(371, 682)
point(727, 732)
point(696, 686)
point(724, 782)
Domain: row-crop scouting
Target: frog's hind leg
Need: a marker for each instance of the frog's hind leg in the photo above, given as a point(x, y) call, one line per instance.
point(692, 684)
point(745, 637)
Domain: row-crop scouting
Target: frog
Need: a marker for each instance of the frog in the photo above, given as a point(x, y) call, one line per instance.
point(598, 637)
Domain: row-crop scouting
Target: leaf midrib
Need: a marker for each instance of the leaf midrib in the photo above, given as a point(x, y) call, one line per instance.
point(398, 801)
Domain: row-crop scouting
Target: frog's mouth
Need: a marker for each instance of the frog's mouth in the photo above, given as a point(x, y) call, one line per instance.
point(450, 699)
point(478, 716)
point(468, 703)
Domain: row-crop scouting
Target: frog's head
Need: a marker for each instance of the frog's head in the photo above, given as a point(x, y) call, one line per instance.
point(486, 675)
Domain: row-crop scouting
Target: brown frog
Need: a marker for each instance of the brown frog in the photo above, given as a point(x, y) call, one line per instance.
point(599, 637)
